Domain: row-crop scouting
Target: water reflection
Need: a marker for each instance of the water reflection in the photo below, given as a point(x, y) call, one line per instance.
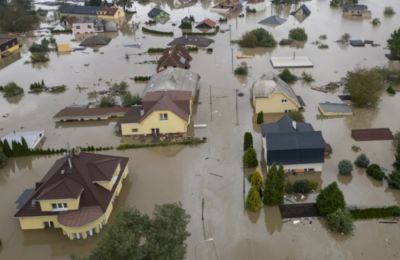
point(273, 220)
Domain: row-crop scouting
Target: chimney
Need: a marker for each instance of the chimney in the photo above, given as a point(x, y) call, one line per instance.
point(294, 124)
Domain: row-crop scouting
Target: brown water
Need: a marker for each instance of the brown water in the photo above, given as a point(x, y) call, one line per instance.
point(172, 174)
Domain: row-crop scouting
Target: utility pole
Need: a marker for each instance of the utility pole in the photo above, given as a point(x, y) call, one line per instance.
point(202, 210)
point(237, 107)
point(211, 111)
point(232, 58)
point(230, 33)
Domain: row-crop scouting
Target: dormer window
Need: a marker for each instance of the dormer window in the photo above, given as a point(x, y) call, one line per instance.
point(59, 206)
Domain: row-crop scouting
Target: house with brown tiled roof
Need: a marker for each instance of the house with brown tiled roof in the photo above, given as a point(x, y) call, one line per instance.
point(176, 56)
point(110, 13)
point(83, 113)
point(76, 195)
point(161, 113)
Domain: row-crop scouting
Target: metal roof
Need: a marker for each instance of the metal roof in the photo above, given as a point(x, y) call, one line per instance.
point(79, 9)
point(32, 138)
point(273, 20)
point(335, 107)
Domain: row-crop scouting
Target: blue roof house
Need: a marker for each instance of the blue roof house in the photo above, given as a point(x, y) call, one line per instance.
point(295, 145)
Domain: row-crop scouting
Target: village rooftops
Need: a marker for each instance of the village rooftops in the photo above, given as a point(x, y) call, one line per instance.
point(174, 79)
point(84, 113)
point(270, 84)
point(156, 12)
point(76, 176)
point(32, 138)
point(176, 56)
point(79, 10)
point(192, 40)
point(108, 10)
point(206, 23)
point(354, 7)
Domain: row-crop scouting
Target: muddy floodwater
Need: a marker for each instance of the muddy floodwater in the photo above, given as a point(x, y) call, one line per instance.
point(211, 171)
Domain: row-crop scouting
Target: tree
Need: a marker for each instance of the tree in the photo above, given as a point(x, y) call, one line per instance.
point(260, 118)
point(7, 148)
point(345, 167)
point(274, 188)
point(257, 38)
point(17, 17)
point(375, 172)
point(394, 180)
point(129, 100)
point(137, 236)
point(362, 161)
point(119, 88)
point(248, 141)
point(296, 115)
point(394, 43)
point(256, 180)
point(12, 90)
point(125, 4)
point(288, 77)
point(389, 11)
point(24, 146)
point(250, 158)
point(396, 146)
point(302, 186)
point(253, 200)
point(340, 221)
point(330, 199)
point(3, 158)
point(107, 101)
point(298, 34)
point(365, 87)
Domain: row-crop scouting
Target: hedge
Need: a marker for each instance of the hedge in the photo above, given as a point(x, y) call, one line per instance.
point(370, 213)
point(188, 141)
point(147, 30)
point(155, 50)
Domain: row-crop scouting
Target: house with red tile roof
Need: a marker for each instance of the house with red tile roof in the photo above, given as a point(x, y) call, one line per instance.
point(161, 113)
point(76, 195)
point(176, 56)
point(206, 24)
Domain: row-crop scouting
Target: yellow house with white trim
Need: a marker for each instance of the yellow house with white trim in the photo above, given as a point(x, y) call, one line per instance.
point(161, 112)
point(8, 46)
point(270, 95)
point(76, 195)
point(110, 13)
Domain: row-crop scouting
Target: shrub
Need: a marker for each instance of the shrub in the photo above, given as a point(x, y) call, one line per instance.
point(389, 11)
point(296, 115)
point(340, 221)
point(250, 158)
point(298, 34)
point(253, 200)
point(288, 187)
point(38, 57)
point(390, 90)
point(141, 78)
point(260, 118)
point(376, 22)
point(370, 213)
point(12, 90)
point(107, 101)
point(155, 50)
point(37, 87)
point(242, 70)
point(42, 47)
point(248, 141)
point(288, 77)
point(119, 88)
point(129, 100)
point(330, 199)
point(375, 172)
point(257, 38)
point(274, 188)
point(323, 46)
point(362, 161)
point(301, 186)
point(307, 77)
point(256, 180)
point(345, 167)
point(394, 180)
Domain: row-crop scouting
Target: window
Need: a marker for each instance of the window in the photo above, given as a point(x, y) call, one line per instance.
point(134, 130)
point(59, 206)
point(89, 27)
point(284, 100)
point(164, 116)
point(78, 27)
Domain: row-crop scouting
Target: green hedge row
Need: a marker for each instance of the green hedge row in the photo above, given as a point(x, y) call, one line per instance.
point(147, 30)
point(188, 141)
point(370, 213)
point(155, 50)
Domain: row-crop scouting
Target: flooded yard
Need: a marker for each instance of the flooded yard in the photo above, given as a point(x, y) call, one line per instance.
point(210, 171)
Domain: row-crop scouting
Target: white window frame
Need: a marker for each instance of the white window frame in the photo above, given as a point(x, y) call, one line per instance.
point(59, 206)
point(163, 116)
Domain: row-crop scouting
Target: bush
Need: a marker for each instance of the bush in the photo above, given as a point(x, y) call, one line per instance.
point(390, 90)
point(253, 200)
point(389, 11)
point(330, 199)
point(260, 118)
point(369, 213)
point(288, 187)
point(301, 186)
point(42, 47)
point(298, 34)
point(248, 141)
point(256, 180)
point(119, 88)
point(37, 87)
point(257, 38)
point(340, 221)
point(129, 100)
point(307, 77)
point(107, 101)
point(38, 57)
point(12, 90)
point(242, 70)
point(362, 161)
point(186, 141)
point(250, 158)
point(141, 78)
point(394, 180)
point(376, 22)
point(274, 188)
point(375, 172)
point(296, 115)
point(345, 167)
point(288, 77)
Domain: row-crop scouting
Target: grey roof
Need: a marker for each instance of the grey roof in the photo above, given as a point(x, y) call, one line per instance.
point(305, 11)
point(174, 79)
point(354, 7)
point(156, 12)
point(285, 125)
point(335, 107)
point(95, 41)
point(192, 40)
point(79, 9)
point(271, 84)
point(273, 20)
point(132, 116)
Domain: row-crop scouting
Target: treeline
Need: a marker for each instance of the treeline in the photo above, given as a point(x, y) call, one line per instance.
point(21, 9)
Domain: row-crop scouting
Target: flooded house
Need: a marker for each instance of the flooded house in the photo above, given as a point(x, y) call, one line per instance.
point(192, 40)
point(271, 94)
point(83, 113)
point(255, 6)
point(110, 13)
point(294, 145)
point(8, 46)
point(176, 56)
point(356, 10)
point(227, 6)
point(161, 113)
point(78, 11)
point(84, 26)
point(76, 195)
point(301, 13)
point(32, 138)
point(158, 15)
point(206, 24)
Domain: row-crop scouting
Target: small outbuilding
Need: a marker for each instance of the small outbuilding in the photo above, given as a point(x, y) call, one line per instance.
point(335, 109)
point(32, 138)
point(63, 48)
point(158, 15)
point(273, 20)
point(206, 24)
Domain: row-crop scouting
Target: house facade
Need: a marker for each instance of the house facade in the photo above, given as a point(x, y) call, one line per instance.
point(8, 46)
point(161, 113)
point(256, 5)
point(76, 195)
point(83, 27)
point(355, 10)
point(110, 13)
point(295, 145)
point(270, 94)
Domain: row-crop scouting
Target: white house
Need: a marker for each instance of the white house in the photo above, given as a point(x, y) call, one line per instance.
point(256, 5)
point(83, 27)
